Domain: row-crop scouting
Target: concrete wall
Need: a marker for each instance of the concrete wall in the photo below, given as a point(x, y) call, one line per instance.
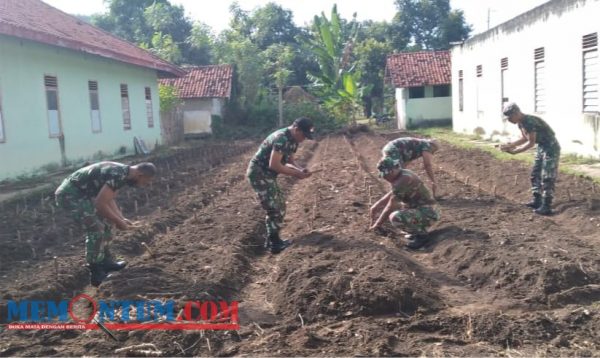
point(558, 27)
point(416, 111)
point(28, 146)
point(197, 114)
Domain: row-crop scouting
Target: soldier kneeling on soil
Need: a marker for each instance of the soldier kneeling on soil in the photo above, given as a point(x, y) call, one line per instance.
point(409, 205)
point(545, 167)
point(276, 156)
point(89, 195)
point(407, 149)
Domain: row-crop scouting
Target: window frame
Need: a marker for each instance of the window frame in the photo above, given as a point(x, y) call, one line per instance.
point(125, 106)
point(149, 109)
point(590, 45)
point(48, 89)
point(95, 92)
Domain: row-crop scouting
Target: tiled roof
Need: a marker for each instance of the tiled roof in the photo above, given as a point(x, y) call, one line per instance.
point(203, 82)
point(413, 69)
point(37, 21)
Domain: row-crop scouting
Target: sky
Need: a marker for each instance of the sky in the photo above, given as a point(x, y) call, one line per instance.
point(216, 13)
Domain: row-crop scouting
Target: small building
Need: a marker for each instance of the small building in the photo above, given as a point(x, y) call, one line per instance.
point(422, 87)
point(545, 60)
point(69, 91)
point(204, 91)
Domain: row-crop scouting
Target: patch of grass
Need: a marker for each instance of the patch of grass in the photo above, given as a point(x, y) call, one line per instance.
point(567, 165)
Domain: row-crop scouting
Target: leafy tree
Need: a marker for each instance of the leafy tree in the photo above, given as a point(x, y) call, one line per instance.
point(279, 58)
point(371, 56)
point(336, 81)
point(200, 45)
point(427, 24)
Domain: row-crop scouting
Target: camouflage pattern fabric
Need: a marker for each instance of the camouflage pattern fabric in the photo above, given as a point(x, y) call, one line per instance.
point(89, 180)
point(415, 221)
point(97, 231)
point(406, 149)
point(545, 170)
point(420, 213)
point(544, 135)
point(281, 141)
point(270, 196)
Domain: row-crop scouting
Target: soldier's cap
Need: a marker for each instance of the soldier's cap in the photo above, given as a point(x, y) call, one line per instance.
point(386, 165)
point(509, 109)
point(306, 126)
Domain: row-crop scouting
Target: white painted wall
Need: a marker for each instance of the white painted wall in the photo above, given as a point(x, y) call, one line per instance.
point(197, 114)
point(413, 111)
point(558, 26)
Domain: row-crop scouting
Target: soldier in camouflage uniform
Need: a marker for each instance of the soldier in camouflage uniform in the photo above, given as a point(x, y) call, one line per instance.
point(409, 205)
point(89, 195)
point(545, 168)
point(276, 156)
point(407, 149)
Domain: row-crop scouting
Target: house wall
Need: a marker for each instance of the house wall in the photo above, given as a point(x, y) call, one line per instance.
point(417, 111)
point(197, 114)
point(23, 65)
point(558, 27)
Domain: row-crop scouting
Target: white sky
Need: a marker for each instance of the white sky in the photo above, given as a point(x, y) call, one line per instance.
point(216, 13)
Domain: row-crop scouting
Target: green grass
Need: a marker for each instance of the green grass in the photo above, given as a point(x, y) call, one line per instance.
point(568, 162)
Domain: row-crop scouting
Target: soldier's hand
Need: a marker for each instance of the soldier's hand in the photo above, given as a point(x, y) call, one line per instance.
point(304, 174)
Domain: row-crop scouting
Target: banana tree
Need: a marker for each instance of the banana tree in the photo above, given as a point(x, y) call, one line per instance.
point(332, 44)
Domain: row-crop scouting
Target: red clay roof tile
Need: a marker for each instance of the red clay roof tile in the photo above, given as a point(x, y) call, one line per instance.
point(37, 21)
point(413, 69)
point(204, 82)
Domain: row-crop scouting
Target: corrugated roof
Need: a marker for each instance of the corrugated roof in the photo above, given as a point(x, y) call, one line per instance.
point(37, 21)
point(204, 82)
point(413, 69)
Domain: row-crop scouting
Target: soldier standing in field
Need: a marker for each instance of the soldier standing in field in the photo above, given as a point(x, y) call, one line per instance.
point(89, 195)
point(276, 156)
point(545, 167)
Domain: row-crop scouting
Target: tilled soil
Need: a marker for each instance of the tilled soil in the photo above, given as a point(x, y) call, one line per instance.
point(494, 280)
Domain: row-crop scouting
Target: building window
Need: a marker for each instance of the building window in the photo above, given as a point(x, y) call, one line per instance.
point(94, 107)
point(479, 70)
point(416, 92)
point(125, 107)
point(460, 91)
point(149, 112)
point(441, 91)
point(54, 126)
point(2, 136)
point(503, 69)
point(591, 75)
point(540, 80)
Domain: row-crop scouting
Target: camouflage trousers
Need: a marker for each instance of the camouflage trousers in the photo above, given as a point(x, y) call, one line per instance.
point(97, 231)
point(270, 196)
point(415, 220)
point(545, 170)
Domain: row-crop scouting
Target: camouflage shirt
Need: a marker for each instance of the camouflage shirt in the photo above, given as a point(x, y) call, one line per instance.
point(544, 135)
point(280, 141)
point(89, 180)
point(409, 189)
point(406, 149)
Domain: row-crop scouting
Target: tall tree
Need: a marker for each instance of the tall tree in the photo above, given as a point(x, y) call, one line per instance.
point(427, 25)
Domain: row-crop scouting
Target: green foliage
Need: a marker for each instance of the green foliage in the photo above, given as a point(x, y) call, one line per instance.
point(323, 121)
point(427, 25)
point(168, 97)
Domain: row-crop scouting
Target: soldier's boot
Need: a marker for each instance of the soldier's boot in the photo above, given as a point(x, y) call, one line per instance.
point(97, 274)
point(110, 264)
point(276, 245)
point(536, 202)
point(417, 241)
point(546, 207)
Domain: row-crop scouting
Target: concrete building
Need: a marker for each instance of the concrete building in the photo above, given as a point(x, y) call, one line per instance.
point(70, 91)
point(546, 60)
point(421, 82)
point(204, 91)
